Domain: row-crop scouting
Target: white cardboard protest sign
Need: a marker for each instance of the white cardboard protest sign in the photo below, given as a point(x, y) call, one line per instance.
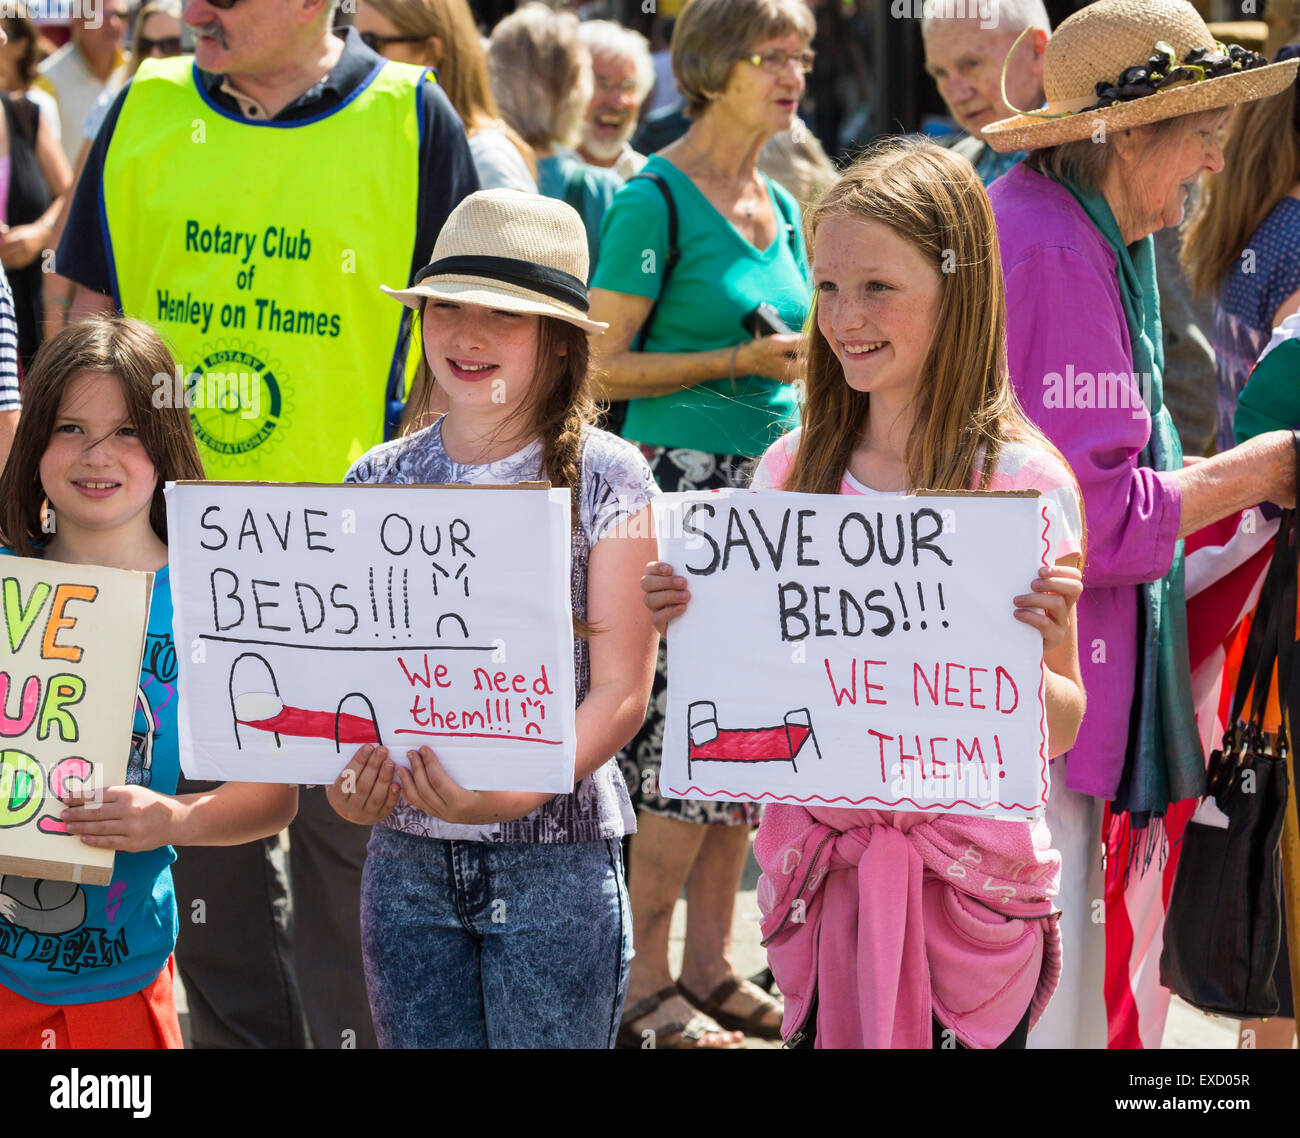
point(73, 639)
point(854, 651)
point(311, 619)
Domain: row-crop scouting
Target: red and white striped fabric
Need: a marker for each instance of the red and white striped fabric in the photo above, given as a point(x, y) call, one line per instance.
point(1226, 563)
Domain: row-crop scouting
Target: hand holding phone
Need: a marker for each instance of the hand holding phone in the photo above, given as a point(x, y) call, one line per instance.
point(765, 320)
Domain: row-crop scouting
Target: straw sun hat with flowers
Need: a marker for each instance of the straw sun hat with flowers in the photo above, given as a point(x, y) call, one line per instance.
point(510, 251)
point(1121, 63)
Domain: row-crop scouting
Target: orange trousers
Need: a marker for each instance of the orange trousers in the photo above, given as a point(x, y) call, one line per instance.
point(144, 1020)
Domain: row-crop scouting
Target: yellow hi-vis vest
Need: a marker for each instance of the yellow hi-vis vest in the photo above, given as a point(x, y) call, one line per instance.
point(256, 249)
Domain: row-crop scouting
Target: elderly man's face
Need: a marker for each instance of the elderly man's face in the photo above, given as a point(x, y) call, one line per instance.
point(966, 61)
point(611, 115)
point(251, 36)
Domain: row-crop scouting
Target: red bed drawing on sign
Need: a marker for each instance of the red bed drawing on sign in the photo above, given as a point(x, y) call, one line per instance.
point(264, 710)
point(708, 743)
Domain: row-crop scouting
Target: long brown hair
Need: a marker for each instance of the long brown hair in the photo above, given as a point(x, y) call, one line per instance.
point(562, 404)
point(963, 402)
point(1261, 162)
point(134, 353)
point(20, 28)
point(462, 70)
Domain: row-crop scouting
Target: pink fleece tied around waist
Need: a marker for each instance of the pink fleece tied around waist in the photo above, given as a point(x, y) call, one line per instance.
point(887, 925)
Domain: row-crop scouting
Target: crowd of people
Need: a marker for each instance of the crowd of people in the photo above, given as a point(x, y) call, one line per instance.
point(629, 301)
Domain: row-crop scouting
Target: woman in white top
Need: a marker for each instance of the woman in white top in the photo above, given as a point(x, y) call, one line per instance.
point(441, 34)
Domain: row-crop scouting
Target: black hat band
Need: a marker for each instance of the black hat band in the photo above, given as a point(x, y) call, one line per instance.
point(555, 283)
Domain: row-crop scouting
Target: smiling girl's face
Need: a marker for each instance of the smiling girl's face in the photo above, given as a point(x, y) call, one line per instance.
point(483, 358)
point(95, 469)
point(877, 304)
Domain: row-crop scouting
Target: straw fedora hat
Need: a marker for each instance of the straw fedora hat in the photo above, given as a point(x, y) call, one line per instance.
point(1098, 73)
point(509, 250)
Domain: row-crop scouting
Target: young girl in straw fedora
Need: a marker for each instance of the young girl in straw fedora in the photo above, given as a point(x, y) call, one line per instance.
point(500, 919)
point(876, 934)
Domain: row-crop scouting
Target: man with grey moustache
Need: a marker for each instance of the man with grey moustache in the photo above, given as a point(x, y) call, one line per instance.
point(206, 208)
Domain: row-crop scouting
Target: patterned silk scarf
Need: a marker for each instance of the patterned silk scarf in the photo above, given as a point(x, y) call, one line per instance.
point(1163, 761)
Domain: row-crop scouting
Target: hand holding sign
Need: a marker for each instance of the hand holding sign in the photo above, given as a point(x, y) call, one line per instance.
point(666, 595)
point(427, 787)
point(1056, 590)
point(127, 818)
point(366, 791)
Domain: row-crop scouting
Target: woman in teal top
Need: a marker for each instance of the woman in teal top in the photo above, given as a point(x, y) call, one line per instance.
point(706, 398)
point(719, 280)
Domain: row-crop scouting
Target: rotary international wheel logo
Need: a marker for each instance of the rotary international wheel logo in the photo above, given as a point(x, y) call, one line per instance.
point(237, 402)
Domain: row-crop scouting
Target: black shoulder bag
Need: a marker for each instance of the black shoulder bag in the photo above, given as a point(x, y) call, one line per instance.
point(1224, 922)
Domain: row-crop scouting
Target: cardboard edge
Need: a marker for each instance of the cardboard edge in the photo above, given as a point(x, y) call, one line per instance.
point(79, 872)
point(376, 485)
point(56, 870)
point(977, 493)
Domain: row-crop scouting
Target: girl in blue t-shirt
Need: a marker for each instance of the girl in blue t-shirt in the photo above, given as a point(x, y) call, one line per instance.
point(80, 965)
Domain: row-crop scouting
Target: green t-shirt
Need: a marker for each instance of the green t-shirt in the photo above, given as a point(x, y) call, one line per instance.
point(718, 281)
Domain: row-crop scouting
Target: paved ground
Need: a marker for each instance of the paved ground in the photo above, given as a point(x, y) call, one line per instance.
point(1185, 1028)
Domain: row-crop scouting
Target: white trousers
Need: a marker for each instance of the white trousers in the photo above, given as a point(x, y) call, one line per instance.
point(1076, 1016)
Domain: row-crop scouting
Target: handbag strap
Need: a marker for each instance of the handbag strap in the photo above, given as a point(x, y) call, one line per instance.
point(1262, 640)
point(1267, 659)
point(1275, 644)
point(674, 253)
point(1286, 625)
point(791, 231)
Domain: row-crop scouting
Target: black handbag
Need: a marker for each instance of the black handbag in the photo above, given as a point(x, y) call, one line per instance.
point(1224, 921)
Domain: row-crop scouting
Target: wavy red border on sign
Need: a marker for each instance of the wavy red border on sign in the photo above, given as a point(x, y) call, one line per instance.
point(927, 808)
point(1042, 685)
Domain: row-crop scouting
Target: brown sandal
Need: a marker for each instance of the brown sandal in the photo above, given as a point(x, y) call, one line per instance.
point(685, 1036)
point(751, 1024)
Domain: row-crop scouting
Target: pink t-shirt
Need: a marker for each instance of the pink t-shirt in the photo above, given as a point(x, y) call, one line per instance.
point(1020, 467)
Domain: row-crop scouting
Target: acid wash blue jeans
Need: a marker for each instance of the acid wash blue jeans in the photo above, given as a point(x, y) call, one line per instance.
point(486, 944)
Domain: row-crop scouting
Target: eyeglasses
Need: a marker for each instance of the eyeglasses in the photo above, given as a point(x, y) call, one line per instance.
point(375, 42)
point(163, 48)
point(609, 87)
point(774, 62)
